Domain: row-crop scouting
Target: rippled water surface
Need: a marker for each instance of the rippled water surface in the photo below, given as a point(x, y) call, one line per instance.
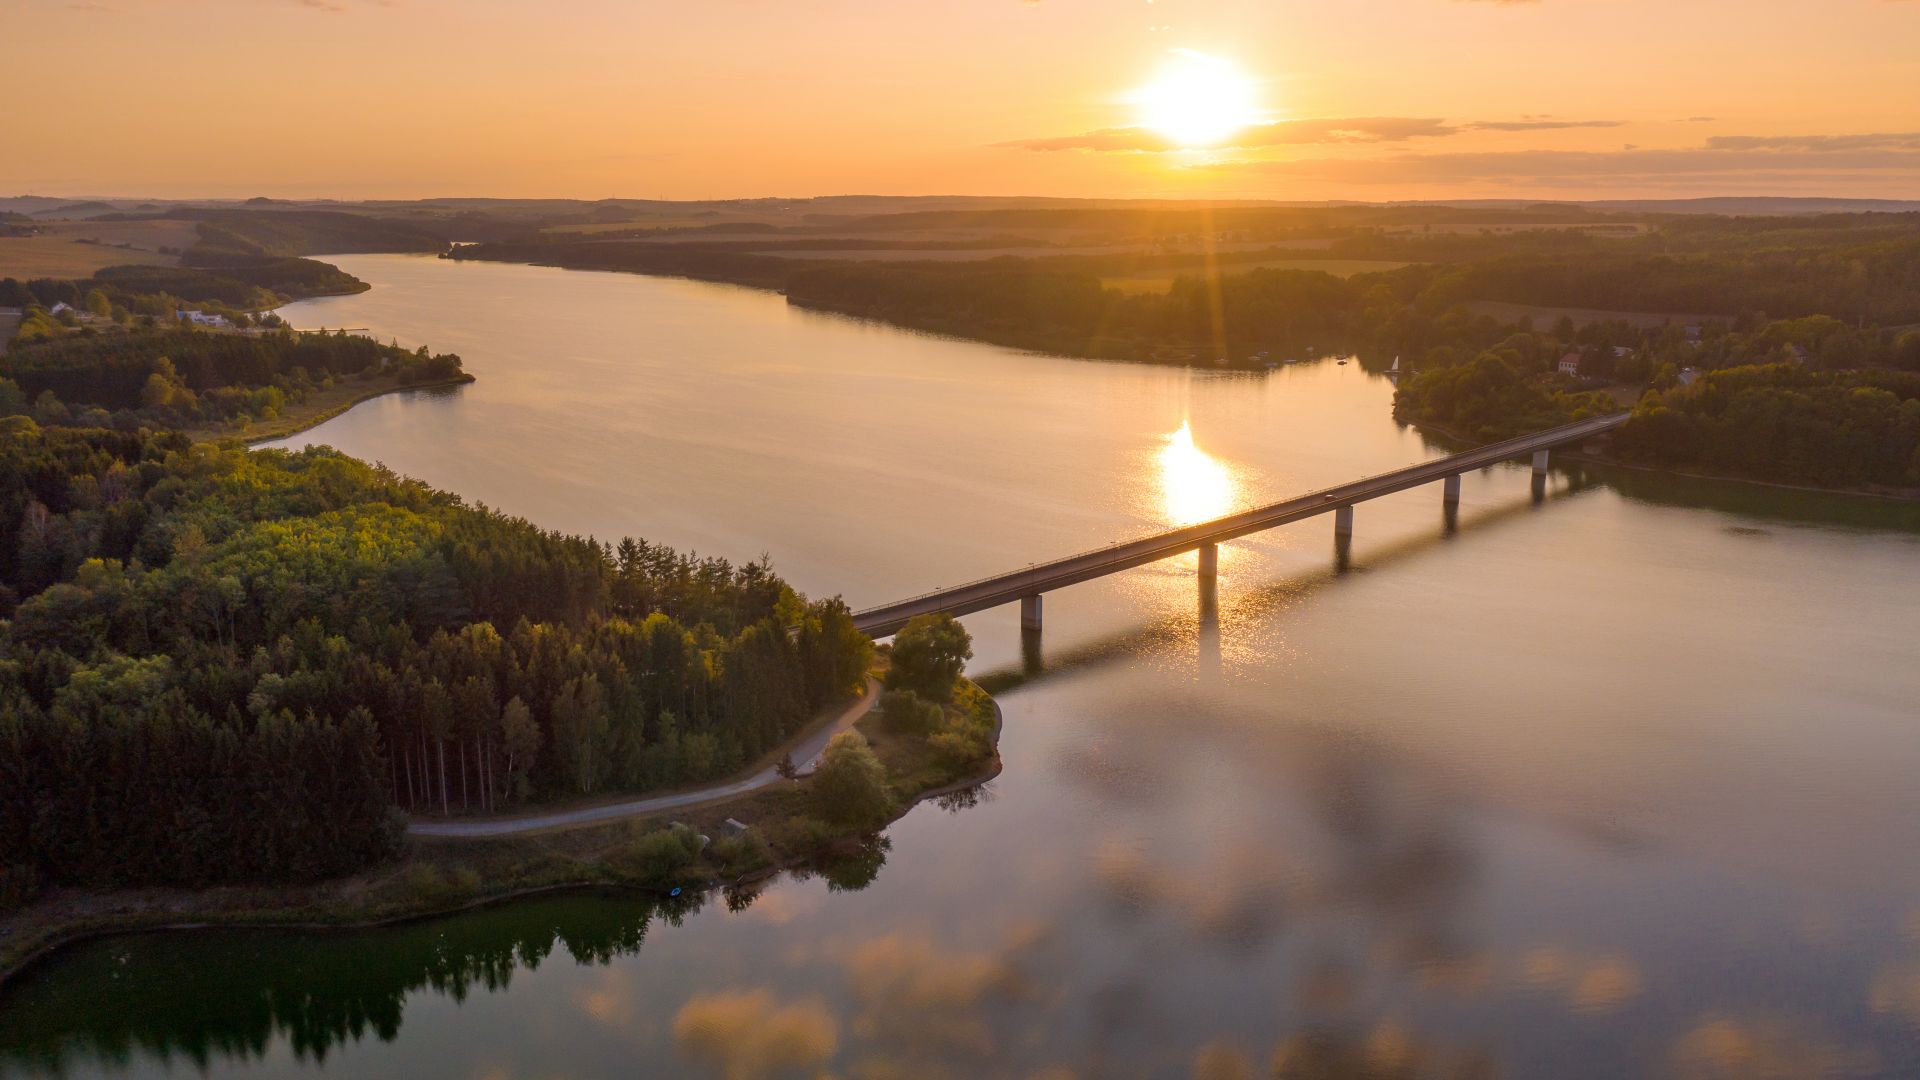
point(1620, 782)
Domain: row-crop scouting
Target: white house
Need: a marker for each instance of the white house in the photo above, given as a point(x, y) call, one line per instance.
point(59, 307)
point(1570, 364)
point(201, 318)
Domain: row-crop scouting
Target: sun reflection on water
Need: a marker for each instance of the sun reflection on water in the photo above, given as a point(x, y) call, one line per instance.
point(1195, 485)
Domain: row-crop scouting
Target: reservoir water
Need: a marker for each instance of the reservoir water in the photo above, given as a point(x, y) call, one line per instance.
point(1618, 782)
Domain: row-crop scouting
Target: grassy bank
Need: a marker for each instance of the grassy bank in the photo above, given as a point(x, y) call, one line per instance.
point(656, 854)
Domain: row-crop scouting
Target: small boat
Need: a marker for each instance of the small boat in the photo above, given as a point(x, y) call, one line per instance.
point(1396, 366)
point(1342, 363)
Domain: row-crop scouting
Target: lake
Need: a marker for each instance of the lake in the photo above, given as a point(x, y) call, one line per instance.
point(1620, 781)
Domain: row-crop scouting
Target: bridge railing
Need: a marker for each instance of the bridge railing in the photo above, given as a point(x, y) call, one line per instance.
point(1333, 497)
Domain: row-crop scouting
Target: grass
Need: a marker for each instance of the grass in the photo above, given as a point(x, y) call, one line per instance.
point(62, 251)
point(1161, 281)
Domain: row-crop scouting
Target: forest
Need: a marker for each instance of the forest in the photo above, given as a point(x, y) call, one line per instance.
point(179, 377)
point(1862, 270)
point(1784, 423)
point(231, 666)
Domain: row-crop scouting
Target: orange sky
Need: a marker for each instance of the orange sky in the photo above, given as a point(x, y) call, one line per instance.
point(1375, 99)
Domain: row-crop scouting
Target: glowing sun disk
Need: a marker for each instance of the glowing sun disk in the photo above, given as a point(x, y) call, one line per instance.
point(1198, 100)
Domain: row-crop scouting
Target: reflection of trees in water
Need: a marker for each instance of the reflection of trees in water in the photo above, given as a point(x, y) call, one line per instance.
point(229, 994)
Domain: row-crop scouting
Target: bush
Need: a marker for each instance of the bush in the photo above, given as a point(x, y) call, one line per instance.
point(850, 786)
point(928, 655)
point(904, 711)
point(658, 856)
point(429, 884)
point(742, 854)
point(800, 833)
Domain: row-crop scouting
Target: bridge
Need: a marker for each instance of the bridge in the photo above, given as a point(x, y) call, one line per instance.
point(1029, 584)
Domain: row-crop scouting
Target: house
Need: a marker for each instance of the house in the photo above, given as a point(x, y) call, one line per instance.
point(201, 318)
point(1799, 355)
point(1621, 352)
point(1692, 332)
point(1570, 364)
point(60, 307)
point(1688, 375)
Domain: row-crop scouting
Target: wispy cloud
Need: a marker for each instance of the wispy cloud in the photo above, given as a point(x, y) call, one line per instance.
point(1363, 129)
point(1532, 124)
point(1884, 140)
point(1369, 129)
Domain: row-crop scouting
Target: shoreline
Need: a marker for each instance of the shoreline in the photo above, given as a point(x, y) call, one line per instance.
point(345, 917)
point(1605, 461)
point(308, 423)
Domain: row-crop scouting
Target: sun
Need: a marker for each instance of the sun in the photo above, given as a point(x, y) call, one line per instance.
point(1196, 100)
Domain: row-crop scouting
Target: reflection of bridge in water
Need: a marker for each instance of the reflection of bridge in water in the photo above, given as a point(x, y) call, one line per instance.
point(1029, 584)
point(1200, 628)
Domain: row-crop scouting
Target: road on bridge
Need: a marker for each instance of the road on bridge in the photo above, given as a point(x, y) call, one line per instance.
point(1125, 555)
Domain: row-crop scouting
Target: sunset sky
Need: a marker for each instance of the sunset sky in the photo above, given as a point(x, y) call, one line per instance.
point(1358, 99)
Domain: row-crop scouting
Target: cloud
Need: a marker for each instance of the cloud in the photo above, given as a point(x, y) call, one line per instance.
point(1540, 124)
point(1366, 129)
point(1884, 140)
point(749, 1034)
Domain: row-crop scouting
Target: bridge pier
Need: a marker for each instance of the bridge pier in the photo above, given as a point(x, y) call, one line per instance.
point(1030, 612)
point(1540, 463)
point(1450, 491)
point(1209, 560)
point(1343, 523)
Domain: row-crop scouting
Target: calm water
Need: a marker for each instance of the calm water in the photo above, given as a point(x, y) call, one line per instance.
point(1621, 783)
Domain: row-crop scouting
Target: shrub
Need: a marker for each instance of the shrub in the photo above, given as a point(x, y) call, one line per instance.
point(906, 712)
point(657, 856)
point(742, 854)
point(850, 786)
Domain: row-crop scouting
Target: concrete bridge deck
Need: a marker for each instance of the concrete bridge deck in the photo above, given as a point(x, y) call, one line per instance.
point(1029, 583)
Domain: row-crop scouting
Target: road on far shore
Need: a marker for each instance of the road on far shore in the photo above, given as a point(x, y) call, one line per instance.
point(805, 751)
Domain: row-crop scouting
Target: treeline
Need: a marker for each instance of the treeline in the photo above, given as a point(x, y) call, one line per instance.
point(1860, 269)
point(243, 238)
point(159, 291)
point(1495, 396)
point(1878, 283)
point(1783, 422)
point(183, 377)
point(226, 666)
point(1015, 303)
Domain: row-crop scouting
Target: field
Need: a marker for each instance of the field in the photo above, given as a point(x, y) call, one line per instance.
point(1160, 281)
point(76, 249)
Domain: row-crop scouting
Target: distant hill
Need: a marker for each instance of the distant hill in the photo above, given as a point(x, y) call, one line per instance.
point(241, 237)
point(79, 209)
